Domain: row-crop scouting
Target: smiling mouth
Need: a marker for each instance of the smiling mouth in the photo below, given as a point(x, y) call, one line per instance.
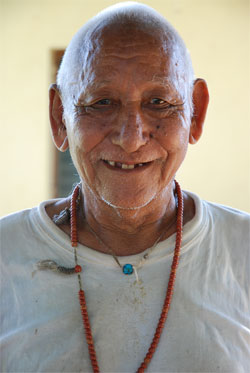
point(125, 166)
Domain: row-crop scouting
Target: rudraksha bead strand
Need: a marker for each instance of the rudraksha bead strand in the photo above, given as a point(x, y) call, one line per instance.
point(84, 312)
point(73, 224)
point(170, 288)
point(88, 333)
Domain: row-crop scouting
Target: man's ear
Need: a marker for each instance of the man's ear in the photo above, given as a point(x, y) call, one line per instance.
point(59, 132)
point(200, 103)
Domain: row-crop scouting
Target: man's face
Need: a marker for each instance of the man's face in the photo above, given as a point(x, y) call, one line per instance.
point(131, 127)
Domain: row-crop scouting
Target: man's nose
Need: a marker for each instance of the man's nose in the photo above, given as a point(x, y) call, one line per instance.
point(131, 132)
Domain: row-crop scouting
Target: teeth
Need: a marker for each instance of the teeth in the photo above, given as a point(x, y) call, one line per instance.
point(123, 165)
point(127, 166)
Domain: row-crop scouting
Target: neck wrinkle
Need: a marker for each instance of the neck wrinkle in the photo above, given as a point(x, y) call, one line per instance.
point(129, 231)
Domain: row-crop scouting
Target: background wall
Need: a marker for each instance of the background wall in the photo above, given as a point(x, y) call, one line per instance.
point(217, 35)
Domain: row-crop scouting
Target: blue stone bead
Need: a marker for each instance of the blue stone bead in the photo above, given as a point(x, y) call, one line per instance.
point(128, 269)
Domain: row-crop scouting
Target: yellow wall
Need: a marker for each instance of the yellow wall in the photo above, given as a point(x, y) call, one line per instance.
point(217, 35)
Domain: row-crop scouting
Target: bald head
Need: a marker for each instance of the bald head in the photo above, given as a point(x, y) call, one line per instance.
point(124, 20)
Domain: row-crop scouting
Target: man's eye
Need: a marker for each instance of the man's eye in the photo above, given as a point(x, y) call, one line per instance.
point(157, 101)
point(103, 102)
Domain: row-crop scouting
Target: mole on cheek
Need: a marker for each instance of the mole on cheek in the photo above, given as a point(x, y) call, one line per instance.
point(157, 127)
point(151, 135)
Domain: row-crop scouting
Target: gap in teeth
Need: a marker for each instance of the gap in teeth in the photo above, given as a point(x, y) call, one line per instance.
point(124, 166)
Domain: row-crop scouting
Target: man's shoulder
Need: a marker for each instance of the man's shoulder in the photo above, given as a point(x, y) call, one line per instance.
point(218, 211)
point(15, 216)
point(22, 216)
point(25, 231)
point(23, 220)
point(17, 220)
point(226, 213)
point(220, 222)
point(10, 223)
point(227, 225)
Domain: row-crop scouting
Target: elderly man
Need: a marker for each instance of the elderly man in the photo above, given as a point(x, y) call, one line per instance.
point(162, 275)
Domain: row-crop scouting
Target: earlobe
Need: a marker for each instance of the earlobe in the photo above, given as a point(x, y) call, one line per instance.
point(59, 131)
point(64, 145)
point(192, 139)
point(200, 103)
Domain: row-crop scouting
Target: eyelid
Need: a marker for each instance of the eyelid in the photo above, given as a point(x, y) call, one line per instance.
point(97, 100)
point(174, 103)
point(161, 102)
point(81, 104)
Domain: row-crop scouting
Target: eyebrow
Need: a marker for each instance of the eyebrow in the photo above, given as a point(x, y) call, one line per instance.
point(96, 85)
point(162, 79)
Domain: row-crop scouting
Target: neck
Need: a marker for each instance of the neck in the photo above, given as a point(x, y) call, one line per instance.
point(127, 231)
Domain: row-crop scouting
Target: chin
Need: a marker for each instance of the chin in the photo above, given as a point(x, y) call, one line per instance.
point(127, 203)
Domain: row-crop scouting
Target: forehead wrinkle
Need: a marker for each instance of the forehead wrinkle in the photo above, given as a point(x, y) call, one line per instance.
point(98, 64)
point(159, 56)
point(164, 81)
point(94, 66)
point(89, 80)
point(123, 57)
point(122, 47)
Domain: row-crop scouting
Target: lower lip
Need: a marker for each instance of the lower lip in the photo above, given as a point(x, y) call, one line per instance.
point(128, 170)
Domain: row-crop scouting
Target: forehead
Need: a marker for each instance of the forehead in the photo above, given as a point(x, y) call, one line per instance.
point(127, 51)
point(126, 42)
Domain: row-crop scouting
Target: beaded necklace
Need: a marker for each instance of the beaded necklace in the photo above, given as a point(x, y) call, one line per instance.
point(49, 264)
point(128, 268)
point(170, 288)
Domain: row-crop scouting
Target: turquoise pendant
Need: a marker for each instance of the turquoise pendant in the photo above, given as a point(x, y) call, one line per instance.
point(127, 269)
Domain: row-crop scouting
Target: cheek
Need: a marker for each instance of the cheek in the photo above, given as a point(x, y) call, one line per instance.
point(86, 135)
point(84, 138)
point(173, 134)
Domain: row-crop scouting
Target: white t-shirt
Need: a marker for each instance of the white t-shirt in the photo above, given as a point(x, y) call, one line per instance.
point(207, 329)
